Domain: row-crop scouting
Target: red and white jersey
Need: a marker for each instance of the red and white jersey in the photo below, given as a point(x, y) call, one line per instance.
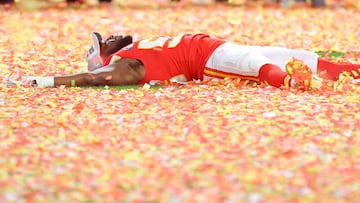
point(180, 59)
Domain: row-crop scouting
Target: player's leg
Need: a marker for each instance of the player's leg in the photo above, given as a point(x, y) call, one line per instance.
point(234, 61)
point(325, 69)
point(280, 56)
point(299, 64)
point(331, 71)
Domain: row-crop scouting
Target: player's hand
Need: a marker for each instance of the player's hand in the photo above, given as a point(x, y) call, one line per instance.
point(16, 79)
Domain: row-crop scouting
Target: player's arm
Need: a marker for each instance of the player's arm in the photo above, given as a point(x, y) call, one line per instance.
point(122, 72)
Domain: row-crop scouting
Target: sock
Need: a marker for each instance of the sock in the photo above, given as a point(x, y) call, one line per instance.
point(274, 76)
point(331, 71)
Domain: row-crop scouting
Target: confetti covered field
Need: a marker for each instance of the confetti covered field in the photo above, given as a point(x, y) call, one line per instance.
point(208, 142)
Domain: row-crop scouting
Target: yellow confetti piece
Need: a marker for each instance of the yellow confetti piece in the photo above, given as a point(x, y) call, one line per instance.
point(72, 83)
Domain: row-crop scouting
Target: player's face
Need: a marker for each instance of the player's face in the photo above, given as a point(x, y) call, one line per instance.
point(114, 43)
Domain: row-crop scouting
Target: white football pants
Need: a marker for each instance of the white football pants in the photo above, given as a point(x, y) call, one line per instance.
point(247, 60)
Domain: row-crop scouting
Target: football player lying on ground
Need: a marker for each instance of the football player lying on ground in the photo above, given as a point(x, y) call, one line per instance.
point(120, 61)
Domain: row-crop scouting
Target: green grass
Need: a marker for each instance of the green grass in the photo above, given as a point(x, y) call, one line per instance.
point(332, 54)
point(123, 87)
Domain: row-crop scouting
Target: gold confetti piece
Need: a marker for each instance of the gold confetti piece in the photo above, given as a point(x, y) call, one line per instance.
point(72, 83)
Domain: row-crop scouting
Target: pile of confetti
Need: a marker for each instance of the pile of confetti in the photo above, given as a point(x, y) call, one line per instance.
point(203, 142)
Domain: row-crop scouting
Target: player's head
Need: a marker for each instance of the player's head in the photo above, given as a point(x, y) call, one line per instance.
point(114, 43)
point(100, 49)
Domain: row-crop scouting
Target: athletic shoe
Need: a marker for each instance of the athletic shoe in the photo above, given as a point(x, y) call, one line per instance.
point(302, 75)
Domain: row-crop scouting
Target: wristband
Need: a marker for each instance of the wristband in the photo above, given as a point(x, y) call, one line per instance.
point(42, 81)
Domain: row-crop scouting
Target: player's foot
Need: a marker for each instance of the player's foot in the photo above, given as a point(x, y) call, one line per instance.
point(302, 75)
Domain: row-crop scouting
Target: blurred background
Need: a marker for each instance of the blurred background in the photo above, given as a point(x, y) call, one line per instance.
point(266, 3)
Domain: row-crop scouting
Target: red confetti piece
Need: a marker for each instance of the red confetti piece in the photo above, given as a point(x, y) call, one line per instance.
point(108, 77)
